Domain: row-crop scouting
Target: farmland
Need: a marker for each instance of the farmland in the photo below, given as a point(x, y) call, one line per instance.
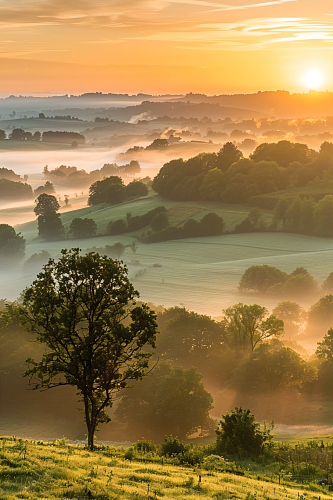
point(57, 470)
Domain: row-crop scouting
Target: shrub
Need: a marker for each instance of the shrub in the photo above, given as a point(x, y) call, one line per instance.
point(118, 226)
point(171, 446)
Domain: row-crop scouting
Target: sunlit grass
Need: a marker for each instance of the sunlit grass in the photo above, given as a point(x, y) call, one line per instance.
point(55, 470)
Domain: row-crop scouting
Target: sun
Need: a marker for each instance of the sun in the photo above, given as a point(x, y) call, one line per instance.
point(313, 79)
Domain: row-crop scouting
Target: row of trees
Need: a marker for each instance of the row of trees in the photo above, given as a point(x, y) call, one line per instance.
point(113, 191)
point(269, 279)
point(228, 176)
point(18, 134)
point(211, 224)
point(305, 216)
point(71, 176)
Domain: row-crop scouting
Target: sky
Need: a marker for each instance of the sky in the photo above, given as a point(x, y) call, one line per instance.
point(164, 46)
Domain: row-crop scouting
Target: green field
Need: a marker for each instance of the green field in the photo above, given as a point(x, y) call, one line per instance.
point(33, 470)
point(200, 273)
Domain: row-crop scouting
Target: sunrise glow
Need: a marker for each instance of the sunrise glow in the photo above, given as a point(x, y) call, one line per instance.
point(314, 79)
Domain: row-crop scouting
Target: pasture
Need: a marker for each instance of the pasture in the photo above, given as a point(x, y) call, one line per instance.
point(33, 470)
point(200, 273)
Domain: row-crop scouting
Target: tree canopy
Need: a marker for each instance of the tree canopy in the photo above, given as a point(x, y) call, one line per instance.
point(12, 245)
point(171, 401)
point(77, 308)
point(248, 325)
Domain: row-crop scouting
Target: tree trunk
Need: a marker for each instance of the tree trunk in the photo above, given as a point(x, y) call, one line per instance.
point(90, 424)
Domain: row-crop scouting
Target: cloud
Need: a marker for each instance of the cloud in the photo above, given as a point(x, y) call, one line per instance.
point(252, 6)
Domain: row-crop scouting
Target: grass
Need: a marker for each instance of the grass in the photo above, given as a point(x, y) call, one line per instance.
point(214, 264)
point(33, 470)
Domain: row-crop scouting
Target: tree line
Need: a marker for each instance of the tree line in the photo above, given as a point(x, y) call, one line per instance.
point(18, 134)
point(229, 177)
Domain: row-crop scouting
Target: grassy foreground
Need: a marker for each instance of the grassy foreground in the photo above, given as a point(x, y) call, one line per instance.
point(32, 470)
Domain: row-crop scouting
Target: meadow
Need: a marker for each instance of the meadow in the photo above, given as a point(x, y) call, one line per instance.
point(45, 470)
point(215, 263)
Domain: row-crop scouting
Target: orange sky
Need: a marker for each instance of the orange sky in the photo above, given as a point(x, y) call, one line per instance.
point(162, 46)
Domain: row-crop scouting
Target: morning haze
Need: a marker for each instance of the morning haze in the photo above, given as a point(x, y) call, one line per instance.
point(166, 244)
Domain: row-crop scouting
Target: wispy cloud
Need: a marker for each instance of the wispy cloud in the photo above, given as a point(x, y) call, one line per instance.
point(248, 34)
point(252, 6)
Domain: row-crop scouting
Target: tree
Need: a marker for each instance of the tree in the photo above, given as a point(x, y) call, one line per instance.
point(228, 155)
point(2, 135)
point(325, 348)
point(46, 203)
point(293, 316)
point(159, 221)
point(118, 226)
point(77, 308)
point(261, 278)
point(273, 367)
point(280, 210)
point(48, 188)
point(171, 401)
point(249, 325)
point(18, 134)
point(135, 189)
point(49, 223)
point(212, 185)
point(327, 286)
point(239, 434)
point(12, 245)
point(110, 190)
point(211, 225)
point(83, 228)
point(323, 215)
point(187, 337)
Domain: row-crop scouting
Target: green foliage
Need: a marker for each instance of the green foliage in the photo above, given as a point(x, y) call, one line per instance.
point(46, 204)
point(110, 190)
point(89, 347)
point(261, 278)
point(239, 434)
point(283, 153)
point(325, 348)
point(272, 367)
point(159, 222)
point(171, 400)
point(293, 316)
point(327, 286)
point(172, 446)
point(187, 337)
point(272, 280)
point(50, 226)
point(10, 189)
point(115, 227)
point(248, 325)
point(83, 228)
point(252, 223)
point(136, 189)
point(12, 245)
point(140, 221)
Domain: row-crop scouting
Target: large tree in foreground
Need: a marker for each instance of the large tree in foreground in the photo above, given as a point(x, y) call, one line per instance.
point(78, 308)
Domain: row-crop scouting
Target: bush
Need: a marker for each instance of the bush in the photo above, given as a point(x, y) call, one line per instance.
point(239, 434)
point(140, 221)
point(172, 446)
point(135, 189)
point(159, 221)
point(118, 226)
